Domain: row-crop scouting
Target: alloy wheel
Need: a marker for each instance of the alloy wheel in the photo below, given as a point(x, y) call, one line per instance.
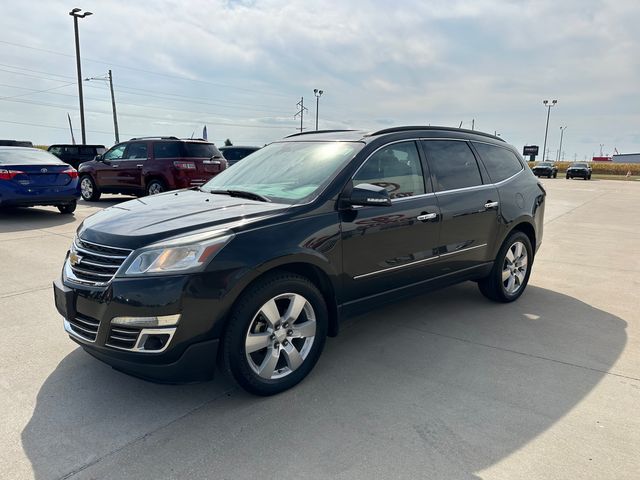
point(86, 188)
point(280, 336)
point(514, 269)
point(155, 188)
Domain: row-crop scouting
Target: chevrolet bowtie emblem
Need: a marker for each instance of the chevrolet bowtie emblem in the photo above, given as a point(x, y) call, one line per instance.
point(74, 258)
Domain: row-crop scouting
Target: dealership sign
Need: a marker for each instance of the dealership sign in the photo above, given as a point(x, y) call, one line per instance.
point(530, 150)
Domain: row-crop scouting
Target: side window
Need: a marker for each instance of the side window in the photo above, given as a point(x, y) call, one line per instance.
point(116, 152)
point(500, 162)
point(397, 168)
point(88, 151)
point(166, 149)
point(56, 150)
point(136, 151)
point(452, 164)
point(70, 150)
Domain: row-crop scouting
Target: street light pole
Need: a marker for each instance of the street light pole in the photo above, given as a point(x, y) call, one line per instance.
point(562, 129)
point(75, 14)
point(546, 130)
point(318, 94)
point(113, 101)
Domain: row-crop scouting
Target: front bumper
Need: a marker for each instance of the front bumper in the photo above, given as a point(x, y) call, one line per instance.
point(578, 173)
point(189, 355)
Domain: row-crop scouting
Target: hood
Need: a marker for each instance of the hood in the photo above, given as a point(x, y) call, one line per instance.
point(139, 222)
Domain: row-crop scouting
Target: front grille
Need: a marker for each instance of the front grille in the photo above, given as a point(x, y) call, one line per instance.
point(85, 327)
point(123, 337)
point(94, 263)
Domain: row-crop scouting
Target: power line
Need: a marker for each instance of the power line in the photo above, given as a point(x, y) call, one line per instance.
point(159, 95)
point(132, 115)
point(35, 91)
point(168, 75)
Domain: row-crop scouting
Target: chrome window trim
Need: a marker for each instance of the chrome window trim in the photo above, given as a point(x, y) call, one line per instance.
point(376, 272)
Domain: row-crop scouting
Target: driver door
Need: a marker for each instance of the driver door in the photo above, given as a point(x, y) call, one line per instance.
point(106, 172)
point(386, 247)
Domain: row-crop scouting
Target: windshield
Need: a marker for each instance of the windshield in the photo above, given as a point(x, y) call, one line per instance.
point(19, 156)
point(546, 164)
point(287, 172)
point(581, 165)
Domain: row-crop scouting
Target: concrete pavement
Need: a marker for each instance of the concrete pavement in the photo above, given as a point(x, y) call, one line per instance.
point(445, 385)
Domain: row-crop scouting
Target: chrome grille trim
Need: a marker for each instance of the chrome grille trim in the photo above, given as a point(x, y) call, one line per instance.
point(81, 327)
point(95, 264)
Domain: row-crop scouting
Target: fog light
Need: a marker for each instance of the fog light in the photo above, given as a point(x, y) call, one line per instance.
point(163, 321)
point(156, 342)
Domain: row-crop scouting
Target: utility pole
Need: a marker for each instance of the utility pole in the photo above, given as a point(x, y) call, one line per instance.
point(318, 94)
point(300, 112)
point(562, 129)
point(547, 104)
point(601, 145)
point(75, 14)
point(473, 124)
point(109, 78)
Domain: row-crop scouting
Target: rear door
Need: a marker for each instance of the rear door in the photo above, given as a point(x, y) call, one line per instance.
point(392, 246)
point(468, 202)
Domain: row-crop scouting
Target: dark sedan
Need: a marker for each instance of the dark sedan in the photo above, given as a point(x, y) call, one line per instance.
point(30, 177)
point(580, 170)
point(545, 169)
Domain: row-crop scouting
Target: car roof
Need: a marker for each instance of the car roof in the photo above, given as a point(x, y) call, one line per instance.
point(76, 145)
point(369, 136)
point(227, 147)
point(26, 149)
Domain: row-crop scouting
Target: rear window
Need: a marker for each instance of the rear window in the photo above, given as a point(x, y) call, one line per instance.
point(167, 149)
point(19, 156)
point(501, 163)
point(200, 150)
point(87, 150)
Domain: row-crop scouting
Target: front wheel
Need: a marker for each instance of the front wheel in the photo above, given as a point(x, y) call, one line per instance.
point(511, 269)
point(555, 175)
point(276, 333)
point(68, 207)
point(568, 177)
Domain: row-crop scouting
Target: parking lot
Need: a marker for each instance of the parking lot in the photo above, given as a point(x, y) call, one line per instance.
point(446, 385)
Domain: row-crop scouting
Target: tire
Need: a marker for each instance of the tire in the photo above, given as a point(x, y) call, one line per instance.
point(68, 208)
point(500, 289)
point(555, 175)
point(250, 327)
point(88, 189)
point(568, 177)
point(155, 186)
point(589, 177)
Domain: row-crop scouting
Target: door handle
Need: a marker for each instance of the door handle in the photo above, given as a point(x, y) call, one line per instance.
point(139, 165)
point(489, 205)
point(425, 217)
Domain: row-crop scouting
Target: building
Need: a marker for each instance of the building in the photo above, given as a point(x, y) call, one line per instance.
point(626, 158)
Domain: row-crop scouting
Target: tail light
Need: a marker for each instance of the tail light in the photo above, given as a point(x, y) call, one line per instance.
point(184, 165)
point(9, 174)
point(72, 172)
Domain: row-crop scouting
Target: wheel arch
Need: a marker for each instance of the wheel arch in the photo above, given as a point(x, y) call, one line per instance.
point(527, 228)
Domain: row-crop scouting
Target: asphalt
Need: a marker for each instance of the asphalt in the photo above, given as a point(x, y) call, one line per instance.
point(446, 385)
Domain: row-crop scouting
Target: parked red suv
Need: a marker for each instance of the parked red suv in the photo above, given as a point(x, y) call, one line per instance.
point(150, 165)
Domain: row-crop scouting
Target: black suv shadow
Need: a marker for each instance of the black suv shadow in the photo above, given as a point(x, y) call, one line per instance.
point(439, 386)
point(34, 218)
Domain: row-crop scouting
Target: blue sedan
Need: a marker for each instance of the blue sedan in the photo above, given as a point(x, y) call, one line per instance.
point(30, 177)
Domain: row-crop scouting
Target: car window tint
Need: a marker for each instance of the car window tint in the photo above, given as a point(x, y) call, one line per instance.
point(87, 150)
point(397, 168)
point(56, 150)
point(136, 151)
point(452, 165)
point(116, 152)
point(200, 150)
point(70, 150)
point(166, 149)
point(500, 162)
point(232, 154)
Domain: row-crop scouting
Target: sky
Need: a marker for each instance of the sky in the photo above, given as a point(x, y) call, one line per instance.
point(241, 66)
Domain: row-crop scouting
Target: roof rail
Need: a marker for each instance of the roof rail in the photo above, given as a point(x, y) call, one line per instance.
point(422, 127)
point(320, 131)
point(198, 139)
point(155, 137)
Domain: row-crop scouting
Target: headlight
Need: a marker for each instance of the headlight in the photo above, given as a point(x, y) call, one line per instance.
point(186, 254)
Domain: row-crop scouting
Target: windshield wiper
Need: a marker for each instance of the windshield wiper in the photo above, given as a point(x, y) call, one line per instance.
point(241, 194)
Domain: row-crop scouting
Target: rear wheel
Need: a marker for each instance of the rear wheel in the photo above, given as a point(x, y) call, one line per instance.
point(88, 189)
point(155, 186)
point(68, 208)
point(511, 269)
point(276, 333)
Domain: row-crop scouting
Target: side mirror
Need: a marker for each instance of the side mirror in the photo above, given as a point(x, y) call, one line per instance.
point(366, 194)
point(98, 158)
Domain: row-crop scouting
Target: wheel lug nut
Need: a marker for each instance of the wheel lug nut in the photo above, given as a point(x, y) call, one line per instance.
point(276, 345)
point(273, 337)
point(290, 332)
point(285, 343)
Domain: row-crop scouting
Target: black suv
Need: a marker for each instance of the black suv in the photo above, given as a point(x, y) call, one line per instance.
point(580, 170)
point(234, 154)
point(74, 155)
point(259, 265)
point(546, 169)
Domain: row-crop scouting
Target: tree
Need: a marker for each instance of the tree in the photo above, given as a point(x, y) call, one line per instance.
point(227, 143)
